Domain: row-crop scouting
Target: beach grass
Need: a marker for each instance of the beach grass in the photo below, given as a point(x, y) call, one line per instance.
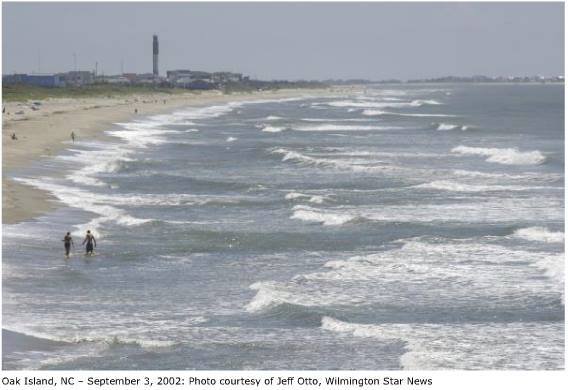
point(22, 93)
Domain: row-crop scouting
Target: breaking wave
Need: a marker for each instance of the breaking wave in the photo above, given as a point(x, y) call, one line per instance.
point(456, 346)
point(379, 113)
point(319, 199)
point(449, 126)
point(337, 120)
point(447, 185)
point(370, 104)
point(273, 129)
point(327, 218)
point(333, 127)
point(537, 233)
point(507, 156)
point(304, 159)
point(493, 210)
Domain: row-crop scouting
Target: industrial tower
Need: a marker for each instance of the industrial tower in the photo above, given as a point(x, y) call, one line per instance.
point(155, 51)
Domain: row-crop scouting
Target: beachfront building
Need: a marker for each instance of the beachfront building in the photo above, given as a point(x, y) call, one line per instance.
point(131, 77)
point(40, 80)
point(118, 79)
point(75, 78)
point(175, 75)
point(78, 78)
point(146, 78)
point(193, 75)
point(226, 77)
point(193, 79)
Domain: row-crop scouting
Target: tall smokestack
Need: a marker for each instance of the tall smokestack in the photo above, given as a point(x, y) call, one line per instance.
point(155, 51)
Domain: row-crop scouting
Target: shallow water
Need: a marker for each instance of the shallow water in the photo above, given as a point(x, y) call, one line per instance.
point(408, 227)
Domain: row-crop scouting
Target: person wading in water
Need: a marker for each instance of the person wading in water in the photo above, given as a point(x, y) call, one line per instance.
point(68, 241)
point(89, 239)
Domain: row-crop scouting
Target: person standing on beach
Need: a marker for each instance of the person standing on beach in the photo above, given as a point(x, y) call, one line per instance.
point(73, 136)
point(89, 239)
point(68, 241)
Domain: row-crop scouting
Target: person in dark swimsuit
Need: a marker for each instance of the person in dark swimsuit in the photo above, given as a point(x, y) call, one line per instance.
point(68, 241)
point(90, 240)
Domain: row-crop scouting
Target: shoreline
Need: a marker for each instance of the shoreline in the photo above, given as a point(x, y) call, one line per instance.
point(43, 132)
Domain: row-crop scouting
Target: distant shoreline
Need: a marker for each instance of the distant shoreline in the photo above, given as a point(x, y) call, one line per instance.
point(43, 131)
point(378, 84)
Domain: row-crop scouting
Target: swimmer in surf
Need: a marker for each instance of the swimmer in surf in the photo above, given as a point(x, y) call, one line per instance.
point(89, 239)
point(68, 241)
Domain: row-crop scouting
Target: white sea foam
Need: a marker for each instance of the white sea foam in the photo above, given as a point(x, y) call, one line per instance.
point(141, 136)
point(335, 127)
point(457, 263)
point(95, 162)
point(73, 195)
point(492, 210)
point(108, 157)
point(449, 126)
point(447, 185)
point(461, 346)
point(476, 174)
point(270, 294)
point(309, 214)
point(288, 155)
point(267, 296)
point(540, 177)
point(373, 104)
point(340, 164)
point(337, 120)
point(423, 274)
point(319, 199)
point(404, 92)
point(508, 156)
point(94, 337)
point(553, 268)
point(231, 139)
point(273, 129)
point(380, 112)
point(198, 113)
point(105, 205)
point(273, 118)
point(538, 233)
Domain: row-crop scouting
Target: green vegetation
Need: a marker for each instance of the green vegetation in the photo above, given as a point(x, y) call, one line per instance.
point(19, 92)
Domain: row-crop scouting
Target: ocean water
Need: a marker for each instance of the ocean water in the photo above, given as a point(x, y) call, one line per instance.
point(399, 227)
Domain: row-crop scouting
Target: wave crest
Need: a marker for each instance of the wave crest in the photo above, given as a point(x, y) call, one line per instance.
point(449, 127)
point(273, 129)
point(319, 199)
point(507, 156)
point(380, 112)
point(537, 233)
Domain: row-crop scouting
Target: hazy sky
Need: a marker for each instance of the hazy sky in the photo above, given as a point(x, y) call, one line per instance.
point(289, 40)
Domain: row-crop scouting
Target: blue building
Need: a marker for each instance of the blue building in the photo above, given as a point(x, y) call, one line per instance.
point(41, 80)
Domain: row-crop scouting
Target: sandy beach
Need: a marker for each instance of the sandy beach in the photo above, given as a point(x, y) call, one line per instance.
point(43, 129)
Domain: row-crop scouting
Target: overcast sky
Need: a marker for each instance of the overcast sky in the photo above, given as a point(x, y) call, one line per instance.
point(292, 41)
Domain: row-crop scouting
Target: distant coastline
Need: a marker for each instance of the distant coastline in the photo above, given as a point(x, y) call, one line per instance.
point(458, 80)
